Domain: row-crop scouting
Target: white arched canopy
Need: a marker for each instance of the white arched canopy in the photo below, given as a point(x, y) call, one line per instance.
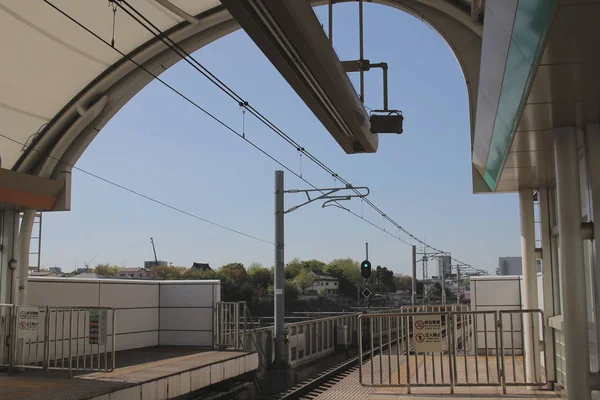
point(62, 81)
point(62, 84)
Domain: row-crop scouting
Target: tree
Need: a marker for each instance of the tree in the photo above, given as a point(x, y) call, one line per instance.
point(260, 279)
point(350, 268)
point(346, 286)
point(292, 269)
point(168, 273)
point(403, 282)
point(235, 272)
point(106, 270)
point(304, 280)
point(291, 292)
point(311, 265)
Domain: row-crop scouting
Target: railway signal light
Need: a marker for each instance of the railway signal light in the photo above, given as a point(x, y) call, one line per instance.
point(365, 269)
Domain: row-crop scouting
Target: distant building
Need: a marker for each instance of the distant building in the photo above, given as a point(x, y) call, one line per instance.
point(88, 275)
point(200, 267)
point(82, 270)
point(44, 273)
point(135, 273)
point(151, 264)
point(513, 266)
point(444, 267)
point(57, 270)
point(323, 283)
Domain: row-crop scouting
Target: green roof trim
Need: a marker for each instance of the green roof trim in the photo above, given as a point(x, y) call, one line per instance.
point(532, 24)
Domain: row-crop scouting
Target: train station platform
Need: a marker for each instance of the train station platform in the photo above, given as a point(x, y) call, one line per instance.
point(349, 387)
point(149, 373)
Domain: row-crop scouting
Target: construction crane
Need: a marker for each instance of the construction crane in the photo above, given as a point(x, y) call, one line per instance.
point(86, 264)
point(154, 249)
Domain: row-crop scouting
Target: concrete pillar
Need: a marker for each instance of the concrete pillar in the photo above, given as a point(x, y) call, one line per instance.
point(9, 231)
point(572, 265)
point(530, 292)
point(547, 281)
point(22, 272)
point(592, 147)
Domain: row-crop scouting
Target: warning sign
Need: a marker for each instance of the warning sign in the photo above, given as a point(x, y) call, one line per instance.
point(28, 322)
point(427, 331)
point(98, 320)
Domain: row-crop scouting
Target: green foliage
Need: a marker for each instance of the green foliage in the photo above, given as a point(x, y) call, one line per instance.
point(260, 278)
point(350, 268)
point(235, 272)
point(291, 292)
point(304, 280)
point(311, 265)
point(292, 269)
point(167, 273)
point(106, 269)
point(382, 280)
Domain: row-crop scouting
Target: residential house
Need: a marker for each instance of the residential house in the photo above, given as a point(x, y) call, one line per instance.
point(44, 273)
point(324, 284)
point(135, 273)
point(200, 267)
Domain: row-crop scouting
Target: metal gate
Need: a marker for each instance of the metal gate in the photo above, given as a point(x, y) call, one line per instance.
point(227, 325)
point(447, 349)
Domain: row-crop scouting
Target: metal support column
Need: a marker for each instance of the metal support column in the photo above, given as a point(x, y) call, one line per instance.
point(414, 275)
point(547, 282)
point(280, 353)
point(571, 260)
point(592, 148)
point(9, 233)
point(22, 272)
point(530, 292)
point(361, 50)
point(458, 284)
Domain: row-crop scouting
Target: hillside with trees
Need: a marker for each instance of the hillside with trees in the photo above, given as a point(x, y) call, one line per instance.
point(254, 284)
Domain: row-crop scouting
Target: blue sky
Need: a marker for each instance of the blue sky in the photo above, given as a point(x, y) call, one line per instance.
point(161, 146)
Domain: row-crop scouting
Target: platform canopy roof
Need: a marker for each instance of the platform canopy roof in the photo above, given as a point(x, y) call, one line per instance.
point(60, 84)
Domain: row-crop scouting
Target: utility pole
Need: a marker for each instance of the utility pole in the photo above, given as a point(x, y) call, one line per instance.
point(458, 284)
point(280, 353)
point(331, 198)
point(154, 249)
point(414, 275)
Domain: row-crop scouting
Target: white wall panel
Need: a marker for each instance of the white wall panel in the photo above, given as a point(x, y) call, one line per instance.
point(121, 295)
point(189, 319)
point(188, 295)
point(186, 338)
point(136, 320)
point(60, 293)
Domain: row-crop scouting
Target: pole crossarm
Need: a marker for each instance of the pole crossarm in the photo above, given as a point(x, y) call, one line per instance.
point(328, 195)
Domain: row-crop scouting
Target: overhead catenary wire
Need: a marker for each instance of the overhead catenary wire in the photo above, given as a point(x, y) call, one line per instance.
point(188, 58)
point(243, 103)
point(135, 192)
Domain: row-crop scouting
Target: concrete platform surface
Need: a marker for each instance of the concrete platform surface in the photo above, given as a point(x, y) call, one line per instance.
point(153, 373)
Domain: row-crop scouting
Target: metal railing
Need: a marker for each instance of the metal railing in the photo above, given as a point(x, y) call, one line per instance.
point(57, 338)
point(227, 325)
point(449, 348)
point(517, 326)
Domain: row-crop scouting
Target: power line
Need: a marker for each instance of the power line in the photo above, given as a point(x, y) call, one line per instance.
point(241, 102)
point(162, 203)
point(163, 37)
point(229, 128)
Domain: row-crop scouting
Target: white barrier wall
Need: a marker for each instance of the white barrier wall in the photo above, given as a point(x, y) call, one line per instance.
point(148, 313)
point(186, 312)
point(490, 293)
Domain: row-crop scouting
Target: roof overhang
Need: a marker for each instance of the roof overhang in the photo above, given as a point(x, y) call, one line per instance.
point(290, 35)
point(538, 72)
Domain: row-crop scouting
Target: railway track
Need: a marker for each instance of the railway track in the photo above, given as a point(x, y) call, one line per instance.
point(313, 387)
